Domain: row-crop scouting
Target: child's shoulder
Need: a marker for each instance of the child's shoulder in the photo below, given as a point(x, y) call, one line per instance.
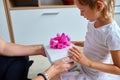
point(114, 30)
point(114, 26)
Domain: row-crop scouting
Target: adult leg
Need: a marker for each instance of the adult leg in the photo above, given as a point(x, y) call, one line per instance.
point(17, 69)
point(3, 66)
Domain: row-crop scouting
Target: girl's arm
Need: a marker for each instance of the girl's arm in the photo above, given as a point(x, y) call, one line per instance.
point(109, 68)
point(11, 49)
point(78, 43)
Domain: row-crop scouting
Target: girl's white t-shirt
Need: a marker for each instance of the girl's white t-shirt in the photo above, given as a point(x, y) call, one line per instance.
point(97, 46)
point(98, 43)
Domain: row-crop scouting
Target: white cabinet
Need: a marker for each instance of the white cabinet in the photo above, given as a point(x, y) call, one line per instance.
point(36, 22)
point(37, 26)
point(4, 33)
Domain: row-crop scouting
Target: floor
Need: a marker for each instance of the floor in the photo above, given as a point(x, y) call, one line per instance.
point(40, 65)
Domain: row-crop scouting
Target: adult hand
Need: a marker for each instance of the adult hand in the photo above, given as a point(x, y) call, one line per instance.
point(59, 67)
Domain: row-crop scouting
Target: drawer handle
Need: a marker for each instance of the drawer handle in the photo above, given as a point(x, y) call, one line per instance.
point(51, 13)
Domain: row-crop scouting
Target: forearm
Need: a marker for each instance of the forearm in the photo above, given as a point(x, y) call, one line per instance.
point(11, 49)
point(51, 72)
point(78, 43)
point(109, 68)
point(38, 78)
point(58, 67)
point(80, 57)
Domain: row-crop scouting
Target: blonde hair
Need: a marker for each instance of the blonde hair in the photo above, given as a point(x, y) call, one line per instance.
point(108, 6)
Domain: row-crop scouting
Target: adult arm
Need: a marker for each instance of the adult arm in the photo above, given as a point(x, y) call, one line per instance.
point(58, 67)
point(11, 49)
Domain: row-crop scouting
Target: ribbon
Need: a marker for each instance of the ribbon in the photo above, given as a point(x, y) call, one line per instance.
point(60, 41)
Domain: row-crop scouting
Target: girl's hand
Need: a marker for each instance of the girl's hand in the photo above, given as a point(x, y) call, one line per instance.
point(78, 43)
point(79, 57)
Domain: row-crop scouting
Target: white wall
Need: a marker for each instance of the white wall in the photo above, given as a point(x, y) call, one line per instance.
point(117, 12)
point(117, 15)
point(4, 34)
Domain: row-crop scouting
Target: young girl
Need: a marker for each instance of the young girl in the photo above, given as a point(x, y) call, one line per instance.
point(101, 45)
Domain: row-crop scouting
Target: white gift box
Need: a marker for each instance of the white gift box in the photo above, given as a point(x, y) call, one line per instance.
point(55, 54)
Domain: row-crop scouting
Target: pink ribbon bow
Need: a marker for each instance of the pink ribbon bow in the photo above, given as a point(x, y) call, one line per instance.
point(60, 41)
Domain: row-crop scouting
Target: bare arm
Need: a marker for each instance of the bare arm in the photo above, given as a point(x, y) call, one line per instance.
point(109, 68)
point(58, 67)
point(11, 49)
point(78, 43)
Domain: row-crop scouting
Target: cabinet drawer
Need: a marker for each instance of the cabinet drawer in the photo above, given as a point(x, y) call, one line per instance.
point(39, 25)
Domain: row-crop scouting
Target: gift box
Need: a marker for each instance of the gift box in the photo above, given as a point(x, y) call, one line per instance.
point(58, 47)
point(56, 54)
